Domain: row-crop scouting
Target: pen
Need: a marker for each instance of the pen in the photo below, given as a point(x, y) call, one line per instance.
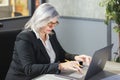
point(78, 65)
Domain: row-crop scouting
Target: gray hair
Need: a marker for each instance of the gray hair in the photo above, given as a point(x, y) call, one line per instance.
point(42, 15)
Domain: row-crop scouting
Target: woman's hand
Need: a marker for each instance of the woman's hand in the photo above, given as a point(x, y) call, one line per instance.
point(70, 66)
point(84, 58)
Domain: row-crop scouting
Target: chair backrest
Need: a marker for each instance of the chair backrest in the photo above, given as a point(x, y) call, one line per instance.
point(7, 39)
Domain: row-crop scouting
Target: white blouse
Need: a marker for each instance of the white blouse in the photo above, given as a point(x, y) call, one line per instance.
point(50, 50)
point(48, 47)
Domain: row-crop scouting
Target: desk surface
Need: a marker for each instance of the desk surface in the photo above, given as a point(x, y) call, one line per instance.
point(110, 69)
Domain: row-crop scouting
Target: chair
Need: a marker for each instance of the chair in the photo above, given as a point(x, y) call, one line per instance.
point(7, 39)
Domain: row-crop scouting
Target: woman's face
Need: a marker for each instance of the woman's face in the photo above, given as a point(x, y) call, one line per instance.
point(50, 26)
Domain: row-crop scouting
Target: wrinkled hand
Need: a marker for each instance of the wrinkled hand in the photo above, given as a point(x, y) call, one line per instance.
point(84, 58)
point(70, 65)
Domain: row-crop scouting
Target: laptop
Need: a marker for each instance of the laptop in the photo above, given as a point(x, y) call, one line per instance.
point(97, 65)
point(98, 61)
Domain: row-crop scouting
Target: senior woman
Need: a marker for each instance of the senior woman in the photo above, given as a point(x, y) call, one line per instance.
point(37, 50)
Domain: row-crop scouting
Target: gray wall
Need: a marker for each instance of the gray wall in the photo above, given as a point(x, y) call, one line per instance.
point(85, 34)
point(76, 35)
point(79, 8)
point(81, 36)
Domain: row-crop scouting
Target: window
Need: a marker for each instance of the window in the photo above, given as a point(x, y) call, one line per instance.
point(16, 8)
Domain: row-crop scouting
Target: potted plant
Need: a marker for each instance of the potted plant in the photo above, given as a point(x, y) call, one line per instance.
point(112, 12)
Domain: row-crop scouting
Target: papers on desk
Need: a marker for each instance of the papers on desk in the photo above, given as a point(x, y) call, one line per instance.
point(50, 77)
point(114, 77)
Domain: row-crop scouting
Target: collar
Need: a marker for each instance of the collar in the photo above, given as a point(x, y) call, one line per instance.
point(38, 35)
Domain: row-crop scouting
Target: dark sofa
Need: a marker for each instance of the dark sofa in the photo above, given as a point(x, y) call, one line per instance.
point(7, 39)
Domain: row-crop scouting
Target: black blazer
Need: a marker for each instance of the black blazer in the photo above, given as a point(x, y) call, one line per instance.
point(31, 59)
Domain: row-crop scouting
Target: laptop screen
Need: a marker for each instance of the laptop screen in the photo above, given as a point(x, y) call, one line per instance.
point(98, 61)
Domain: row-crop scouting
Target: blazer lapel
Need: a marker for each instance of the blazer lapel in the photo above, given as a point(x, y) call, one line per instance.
point(44, 52)
point(41, 47)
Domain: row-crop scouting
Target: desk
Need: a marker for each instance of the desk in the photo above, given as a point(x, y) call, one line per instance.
point(111, 68)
